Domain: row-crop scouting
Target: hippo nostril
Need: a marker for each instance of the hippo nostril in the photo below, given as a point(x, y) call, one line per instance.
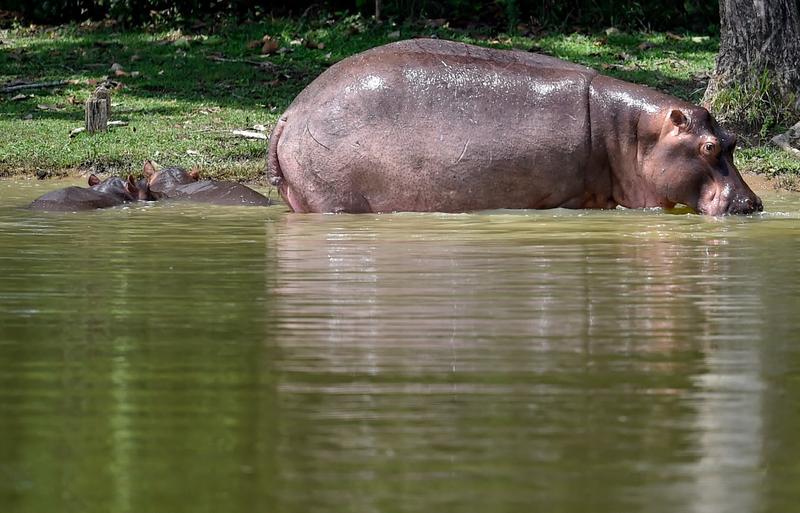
point(746, 205)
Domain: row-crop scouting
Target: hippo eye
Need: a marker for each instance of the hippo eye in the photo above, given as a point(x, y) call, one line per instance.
point(709, 148)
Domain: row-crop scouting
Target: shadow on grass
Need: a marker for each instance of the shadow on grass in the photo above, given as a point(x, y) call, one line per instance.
point(183, 69)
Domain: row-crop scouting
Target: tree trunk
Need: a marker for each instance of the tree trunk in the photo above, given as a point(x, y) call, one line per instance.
point(757, 77)
point(378, 5)
point(98, 110)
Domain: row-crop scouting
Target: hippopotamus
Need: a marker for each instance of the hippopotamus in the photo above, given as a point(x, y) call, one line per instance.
point(178, 184)
point(433, 125)
point(162, 183)
point(106, 193)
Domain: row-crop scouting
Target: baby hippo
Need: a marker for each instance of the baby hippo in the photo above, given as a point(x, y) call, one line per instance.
point(106, 193)
point(178, 184)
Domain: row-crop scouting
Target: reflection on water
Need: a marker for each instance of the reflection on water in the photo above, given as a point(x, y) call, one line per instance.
point(178, 357)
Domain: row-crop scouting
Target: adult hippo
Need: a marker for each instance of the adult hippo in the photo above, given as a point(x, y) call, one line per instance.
point(431, 125)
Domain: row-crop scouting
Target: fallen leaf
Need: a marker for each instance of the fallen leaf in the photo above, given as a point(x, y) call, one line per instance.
point(260, 128)
point(121, 73)
point(28, 117)
point(135, 73)
point(117, 123)
point(674, 37)
point(76, 131)
point(73, 100)
point(193, 152)
point(646, 45)
point(19, 97)
point(49, 107)
point(270, 46)
point(115, 67)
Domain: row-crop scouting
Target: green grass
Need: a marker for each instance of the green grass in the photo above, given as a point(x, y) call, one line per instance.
point(182, 106)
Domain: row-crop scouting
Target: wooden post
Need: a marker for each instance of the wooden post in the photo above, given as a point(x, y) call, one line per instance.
point(98, 110)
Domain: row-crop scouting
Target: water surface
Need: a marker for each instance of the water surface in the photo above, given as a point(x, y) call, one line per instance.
point(177, 357)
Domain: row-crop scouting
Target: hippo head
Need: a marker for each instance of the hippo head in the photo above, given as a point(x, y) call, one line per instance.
point(163, 182)
point(691, 162)
point(123, 190)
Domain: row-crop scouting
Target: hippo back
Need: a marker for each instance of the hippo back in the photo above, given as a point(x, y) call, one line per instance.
point(72, 199)
point(439, 125)
point(219, 193)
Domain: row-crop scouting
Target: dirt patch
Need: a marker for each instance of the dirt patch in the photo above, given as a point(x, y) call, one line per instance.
point(763, 183)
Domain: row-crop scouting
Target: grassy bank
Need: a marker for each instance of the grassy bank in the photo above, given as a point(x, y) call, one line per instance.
point(183, 92)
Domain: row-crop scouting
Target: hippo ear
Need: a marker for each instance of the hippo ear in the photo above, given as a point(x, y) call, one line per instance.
point(149, 169)
point(679, 119)
point(93, 180)
point(195, 173)
point(131, 186)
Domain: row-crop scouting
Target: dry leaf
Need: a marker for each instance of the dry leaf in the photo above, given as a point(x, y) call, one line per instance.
point(270, 46)
point(20, 97)
point(76, 131)
point(646, 45)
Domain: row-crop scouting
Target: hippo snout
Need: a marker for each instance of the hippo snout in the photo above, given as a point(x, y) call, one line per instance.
point(746, 204)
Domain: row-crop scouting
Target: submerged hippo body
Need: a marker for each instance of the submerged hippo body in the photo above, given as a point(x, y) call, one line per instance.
point(107, 193)
point(178, 184)
point(430, 125)
point(72, 199)
point(219, 193)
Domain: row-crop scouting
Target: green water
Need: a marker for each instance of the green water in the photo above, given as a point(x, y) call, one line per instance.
point(174, 357)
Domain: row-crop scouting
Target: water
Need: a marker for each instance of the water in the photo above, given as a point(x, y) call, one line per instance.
point(166, 358)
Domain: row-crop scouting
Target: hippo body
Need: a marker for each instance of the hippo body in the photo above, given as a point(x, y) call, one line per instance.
point(431, 125)
point(176, 183)
point(219, 193)
point(107, 193)
point(73, 199)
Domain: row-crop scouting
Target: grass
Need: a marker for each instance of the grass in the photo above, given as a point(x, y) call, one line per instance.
point(181, 104)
